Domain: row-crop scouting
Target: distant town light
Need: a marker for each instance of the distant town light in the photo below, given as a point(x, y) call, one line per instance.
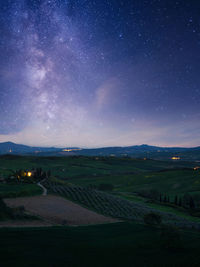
point(71, 149)
point(176, 158)
point(196, 168)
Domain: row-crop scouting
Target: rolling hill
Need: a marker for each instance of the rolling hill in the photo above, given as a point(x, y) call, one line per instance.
point(138, 151)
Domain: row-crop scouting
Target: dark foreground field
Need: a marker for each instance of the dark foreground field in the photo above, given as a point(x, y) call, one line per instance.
point(120, 244)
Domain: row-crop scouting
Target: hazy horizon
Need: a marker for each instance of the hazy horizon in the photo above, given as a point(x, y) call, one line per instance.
point(85, 147)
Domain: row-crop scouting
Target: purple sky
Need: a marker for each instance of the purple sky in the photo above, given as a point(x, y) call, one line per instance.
point(100, 73)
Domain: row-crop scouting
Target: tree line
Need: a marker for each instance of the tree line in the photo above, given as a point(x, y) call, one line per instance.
point(185, 201)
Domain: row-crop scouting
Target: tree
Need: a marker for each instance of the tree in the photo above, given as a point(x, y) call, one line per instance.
point(186, 200)
point(17, 174)
point(48, 173)
point(192, 205)
point(106, 187)
point(38, 172)
point(5, 212)
point(44, 175)
point(180, 202)
point(176, 200)
point(154, 194)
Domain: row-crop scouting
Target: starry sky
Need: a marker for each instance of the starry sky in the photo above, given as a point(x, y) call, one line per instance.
point(100, 73)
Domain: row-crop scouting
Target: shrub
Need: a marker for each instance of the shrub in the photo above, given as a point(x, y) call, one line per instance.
point(152, 194)
point(18, 212)
point(106, 187)
point(152, 218)
point(5, 212)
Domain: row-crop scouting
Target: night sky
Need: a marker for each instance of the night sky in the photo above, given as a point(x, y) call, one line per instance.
point(100, 72)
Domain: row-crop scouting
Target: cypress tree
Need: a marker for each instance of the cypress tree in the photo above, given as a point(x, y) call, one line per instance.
point(48, 173)
point(176, 200)
point(192, 205)
point(180, 202)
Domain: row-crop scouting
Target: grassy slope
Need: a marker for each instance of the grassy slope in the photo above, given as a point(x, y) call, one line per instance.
point(121, 244)
point(165, 208)
point(170, 182)
point(127, 175)
point(85, 166)
point(15, 190)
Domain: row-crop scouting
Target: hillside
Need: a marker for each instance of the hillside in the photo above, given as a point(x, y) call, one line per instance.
point(142, 151)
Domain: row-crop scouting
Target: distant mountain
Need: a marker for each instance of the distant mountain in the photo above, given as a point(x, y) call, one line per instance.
point(12, 148)
point(139, 151)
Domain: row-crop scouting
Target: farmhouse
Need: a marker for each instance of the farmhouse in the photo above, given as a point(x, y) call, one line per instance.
point(196, 168)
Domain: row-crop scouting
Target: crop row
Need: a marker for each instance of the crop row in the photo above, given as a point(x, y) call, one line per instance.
point(114, 206)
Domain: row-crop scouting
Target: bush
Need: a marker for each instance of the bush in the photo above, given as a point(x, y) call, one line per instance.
point(152, 194)
point(18, 212)
point(170, 238)
point(152, 218)
point(5, 212)
point(106, 187)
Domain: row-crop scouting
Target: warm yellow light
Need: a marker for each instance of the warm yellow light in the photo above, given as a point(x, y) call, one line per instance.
point(175, 158)
point(196, 168)
point(29, 174)
point(71, 149)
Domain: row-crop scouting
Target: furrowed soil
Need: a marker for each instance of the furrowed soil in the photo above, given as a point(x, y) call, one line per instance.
point(55, 210)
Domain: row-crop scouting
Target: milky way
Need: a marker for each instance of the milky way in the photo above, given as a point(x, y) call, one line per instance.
point(95, 73)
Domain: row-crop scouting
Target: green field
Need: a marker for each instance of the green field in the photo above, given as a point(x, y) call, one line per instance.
point(165, 178)
point(121, 244)
point(19, 190)
point(130, 243)
point(171, 182)
point(128, 176)
point(80, 166)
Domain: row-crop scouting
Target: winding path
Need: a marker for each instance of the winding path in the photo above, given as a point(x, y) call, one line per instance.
point(43, 188)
